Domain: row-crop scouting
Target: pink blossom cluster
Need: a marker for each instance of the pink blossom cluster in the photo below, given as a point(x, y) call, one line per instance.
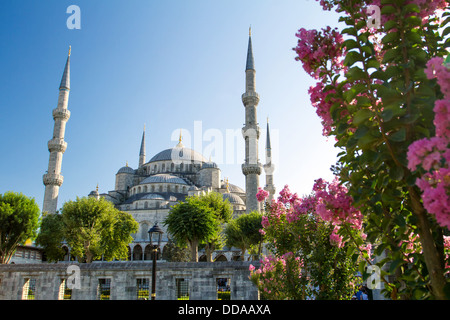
point(262, 195)
point(315, 49)
point(318, 97)
point(433, 154)
point(271, 269)
point(335, 205)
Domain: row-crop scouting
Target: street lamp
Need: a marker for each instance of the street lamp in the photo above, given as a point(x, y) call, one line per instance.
point(155, 235)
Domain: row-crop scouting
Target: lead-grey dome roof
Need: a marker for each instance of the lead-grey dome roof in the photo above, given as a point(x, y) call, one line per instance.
point(180, 154)
point(163, 178)
point(233, 198)
point(126, 170)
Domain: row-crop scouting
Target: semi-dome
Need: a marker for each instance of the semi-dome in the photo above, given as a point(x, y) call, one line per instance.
point(233, 198)
point(178, 154)
point(126, 169)
point(152, 196)
point(163, 178)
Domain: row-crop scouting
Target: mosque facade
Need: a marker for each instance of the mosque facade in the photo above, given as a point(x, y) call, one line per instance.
point(148, 191)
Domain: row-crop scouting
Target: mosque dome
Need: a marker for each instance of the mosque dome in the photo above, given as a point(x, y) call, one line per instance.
point(126, 169)
point(163, 178)
point(233, 199)
point(178, 153)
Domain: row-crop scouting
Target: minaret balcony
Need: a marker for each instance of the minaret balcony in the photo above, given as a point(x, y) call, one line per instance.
point(58, 145)
point(60, 113)
point(269, 168)
point(53, 179)
point(250, 168)
point(250, 98)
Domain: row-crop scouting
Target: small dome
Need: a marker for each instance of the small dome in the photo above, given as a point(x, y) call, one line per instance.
point(163, 178)
point(93, 193)
point(232, 187)
point(126, 169)
point(233, 199)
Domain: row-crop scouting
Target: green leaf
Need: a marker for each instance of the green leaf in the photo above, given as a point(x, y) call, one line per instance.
point(350, 30)
point(398, 136)
point(387, 115)
point(391, 54)
point(388, 9)
point(413, 21)
point(394, 265)
point(396, 173)
point(390, 37)
point(350, 44)
point(352, 57)
point(361, 116)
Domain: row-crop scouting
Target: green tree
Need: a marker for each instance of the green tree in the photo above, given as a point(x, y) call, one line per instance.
point(198, 220)
point(223, 212)
point(19, 221)
point(243, 232)
point(92, 228)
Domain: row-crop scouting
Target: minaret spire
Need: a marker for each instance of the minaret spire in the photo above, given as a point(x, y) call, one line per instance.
point(269, 167)
point(142, 151)
point(57, 146)
point(251, 168)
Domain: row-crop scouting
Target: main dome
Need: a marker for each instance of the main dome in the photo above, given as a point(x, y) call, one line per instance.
point(178, 154)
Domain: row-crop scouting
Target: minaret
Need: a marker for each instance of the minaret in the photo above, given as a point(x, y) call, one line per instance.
point(251, 168)
point(142, 151)
point(269, 167)
point(56, 146)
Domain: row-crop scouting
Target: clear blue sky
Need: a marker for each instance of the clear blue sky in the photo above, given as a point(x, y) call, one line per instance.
point(165, 64)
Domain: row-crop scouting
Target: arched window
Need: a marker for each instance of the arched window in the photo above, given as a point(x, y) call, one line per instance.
point(163, 168)
point(153, 188)
point(146, 205)
point(139, 189)
point(145, 189)
point(137, 253)
point(176, 188)
point(172, 166)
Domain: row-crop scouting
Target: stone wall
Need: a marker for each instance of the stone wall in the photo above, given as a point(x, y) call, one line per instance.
point(202, 276)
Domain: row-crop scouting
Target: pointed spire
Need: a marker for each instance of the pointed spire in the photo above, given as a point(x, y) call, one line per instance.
point(142, 151)
point(268, 147)
point(250, 61)
point(65, 81)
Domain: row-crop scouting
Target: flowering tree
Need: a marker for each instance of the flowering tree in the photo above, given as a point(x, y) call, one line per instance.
point(308, 258)
point(383, 94)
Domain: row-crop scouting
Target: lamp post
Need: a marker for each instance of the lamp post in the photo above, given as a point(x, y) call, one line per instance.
point(155, 235)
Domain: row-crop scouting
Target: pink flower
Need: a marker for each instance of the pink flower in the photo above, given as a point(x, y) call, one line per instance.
point(261, 195)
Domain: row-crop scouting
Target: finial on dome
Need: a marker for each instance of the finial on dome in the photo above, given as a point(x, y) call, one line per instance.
point(181, 137)
point(96, 187)
point(250, 31)
point(126, 165)
point(70, 49)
